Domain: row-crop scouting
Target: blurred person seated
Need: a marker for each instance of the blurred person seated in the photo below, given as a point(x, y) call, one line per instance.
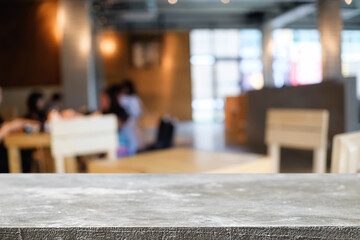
point(5, 129)
point(129, 100)
point(55, 102)
point(8, 127)
point(165, 134)
point(36, 110)
point(132, 104)
point(110, 105)
point(65, 114)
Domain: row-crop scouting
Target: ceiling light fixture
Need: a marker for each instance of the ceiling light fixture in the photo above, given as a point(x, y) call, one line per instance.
point(225, 1)
point(108, 46)
point(103, 20)
point(172, 1)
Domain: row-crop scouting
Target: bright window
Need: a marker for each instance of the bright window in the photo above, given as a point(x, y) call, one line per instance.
point(297, 57)
point(350, 56)
point(223, 63)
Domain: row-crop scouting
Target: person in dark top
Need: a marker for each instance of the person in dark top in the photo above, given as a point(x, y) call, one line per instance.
point(5, 129)
point(3, 153)
point(36, 107)
point(35, 111)
point(110, 104)
point(4, 168)
point(55, 102)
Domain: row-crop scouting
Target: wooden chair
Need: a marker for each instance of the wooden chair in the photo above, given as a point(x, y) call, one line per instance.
point(346, 153)
point(82, 136)
point(300, 129)
point(235, 120)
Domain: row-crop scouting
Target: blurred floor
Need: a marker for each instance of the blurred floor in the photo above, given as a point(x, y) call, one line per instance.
point(211, 137)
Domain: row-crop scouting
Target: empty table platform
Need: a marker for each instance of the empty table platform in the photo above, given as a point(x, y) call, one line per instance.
point(179, 206)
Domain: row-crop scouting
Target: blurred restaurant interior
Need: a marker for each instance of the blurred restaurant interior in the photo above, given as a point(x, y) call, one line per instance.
point(179, 86)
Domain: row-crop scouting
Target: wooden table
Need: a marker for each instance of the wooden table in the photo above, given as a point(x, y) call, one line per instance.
point(17, 141)
point(184, 160)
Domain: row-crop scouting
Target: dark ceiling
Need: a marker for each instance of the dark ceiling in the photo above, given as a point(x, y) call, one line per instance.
point(189, 14)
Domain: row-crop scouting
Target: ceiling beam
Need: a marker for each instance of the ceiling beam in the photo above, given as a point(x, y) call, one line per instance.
point(291, 16)
point(349, 14)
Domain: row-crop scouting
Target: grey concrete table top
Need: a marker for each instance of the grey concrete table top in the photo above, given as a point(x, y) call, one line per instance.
point(180, 206)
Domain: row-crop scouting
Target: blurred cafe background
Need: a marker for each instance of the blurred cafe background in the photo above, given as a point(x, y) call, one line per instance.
point(179, 86)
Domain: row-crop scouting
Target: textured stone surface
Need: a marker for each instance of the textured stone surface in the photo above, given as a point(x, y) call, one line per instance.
point(180, 206)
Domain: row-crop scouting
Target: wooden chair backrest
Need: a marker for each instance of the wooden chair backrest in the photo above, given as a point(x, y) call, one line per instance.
point(346, 153)
point(297, 128)
point(83, 136)
point(235, 119)
point(301, 129)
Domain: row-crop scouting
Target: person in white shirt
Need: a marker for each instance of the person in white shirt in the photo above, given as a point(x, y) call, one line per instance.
point(130, 101)
point(132, 104)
